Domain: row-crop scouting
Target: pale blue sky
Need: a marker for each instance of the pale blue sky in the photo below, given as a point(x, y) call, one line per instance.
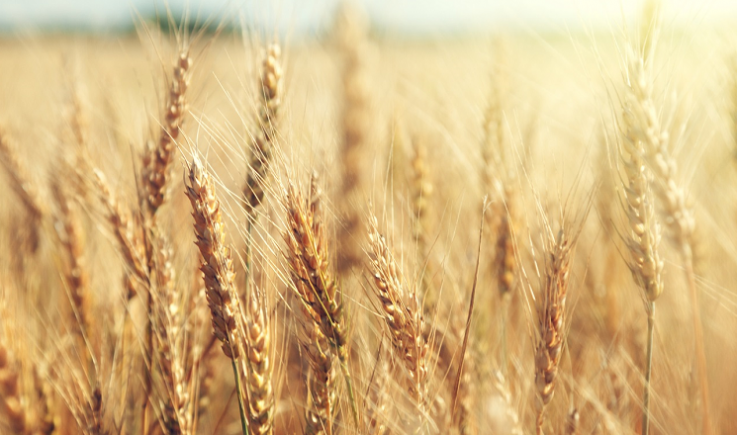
point(417, 16)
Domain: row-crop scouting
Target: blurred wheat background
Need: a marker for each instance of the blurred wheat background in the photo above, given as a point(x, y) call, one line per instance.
point(256, 222)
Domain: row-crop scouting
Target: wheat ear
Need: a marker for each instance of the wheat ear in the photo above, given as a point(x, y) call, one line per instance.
point(678, 215)
point(644, 229)
point(421, 191)
point(156, 173)
point(217, 269)
point(127, 232)
point(260, 370)
point(402, 313)
point(320, 296)
point(355, 128)
point(264, 141)
point(23, 186)
point(552, 318)
point(157, 164)
point(75, 272)
point(168, 322)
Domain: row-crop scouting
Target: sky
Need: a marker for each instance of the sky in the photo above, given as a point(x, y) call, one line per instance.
point(412, 16)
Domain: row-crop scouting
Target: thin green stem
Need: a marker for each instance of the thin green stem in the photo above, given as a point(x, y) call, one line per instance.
point(349, 385)
point(239, 392)
point(648, 370)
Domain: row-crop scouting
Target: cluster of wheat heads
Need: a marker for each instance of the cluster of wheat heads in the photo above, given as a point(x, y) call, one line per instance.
point(294, 275)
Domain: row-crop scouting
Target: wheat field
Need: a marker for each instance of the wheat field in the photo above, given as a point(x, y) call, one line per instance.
point(224, 233)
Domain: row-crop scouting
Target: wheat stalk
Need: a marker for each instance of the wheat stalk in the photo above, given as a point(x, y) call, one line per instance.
point(672, 198)
point(644, 229)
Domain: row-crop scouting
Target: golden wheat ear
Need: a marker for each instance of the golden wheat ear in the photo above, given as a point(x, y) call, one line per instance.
point(217, 265)
point(217, 272)
point(552, 321)
point(259, 382)
point(402, 314)
point(265, 139)
point(643, 234)
point(157, 163)
point(355, 128)
point(324, 323)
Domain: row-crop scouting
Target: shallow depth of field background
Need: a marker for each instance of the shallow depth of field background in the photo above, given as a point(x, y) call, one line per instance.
point(429, 68)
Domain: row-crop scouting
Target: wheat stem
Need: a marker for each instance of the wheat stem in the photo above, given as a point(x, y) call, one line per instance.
point(239, 392)
point(648, 369)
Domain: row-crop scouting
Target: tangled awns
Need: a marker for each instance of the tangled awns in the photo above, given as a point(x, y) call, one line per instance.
point(220, 233)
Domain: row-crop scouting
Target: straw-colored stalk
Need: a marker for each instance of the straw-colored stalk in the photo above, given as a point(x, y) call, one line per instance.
point(465, 418)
